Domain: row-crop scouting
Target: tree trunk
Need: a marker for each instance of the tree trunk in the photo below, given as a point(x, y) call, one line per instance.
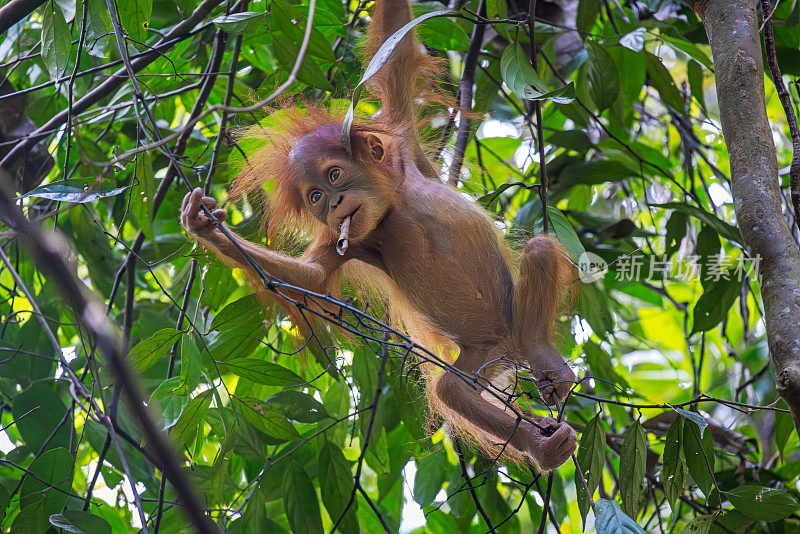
point(732, 28)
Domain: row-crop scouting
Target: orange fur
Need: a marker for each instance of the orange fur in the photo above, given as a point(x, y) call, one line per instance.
point(445, 271)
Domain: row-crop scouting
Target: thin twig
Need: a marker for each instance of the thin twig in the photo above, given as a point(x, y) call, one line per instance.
point(786, 102)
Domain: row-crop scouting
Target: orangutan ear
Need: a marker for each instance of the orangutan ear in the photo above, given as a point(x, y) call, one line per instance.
point(368, 147)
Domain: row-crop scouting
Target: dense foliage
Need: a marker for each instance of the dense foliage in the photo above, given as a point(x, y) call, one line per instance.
point(676, 407)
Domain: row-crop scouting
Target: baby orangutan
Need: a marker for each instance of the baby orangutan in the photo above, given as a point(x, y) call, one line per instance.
point(385, 210)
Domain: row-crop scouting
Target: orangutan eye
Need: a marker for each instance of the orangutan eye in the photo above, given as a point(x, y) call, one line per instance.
point(333, 174)
point(314, 196)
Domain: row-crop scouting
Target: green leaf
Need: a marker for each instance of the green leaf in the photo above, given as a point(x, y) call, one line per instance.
point(663, 82)
point(322, 348)
point(572, 139)
point(488, 200)
point(56, 41)
point(676, 231)
point(365, 373)
point(143, 192)
point(98, 26)
point(520, 76)
point(78, 522)
point(707, 250)
point(5, 500)
point(50, 481)
point(728, 231)
point(31, 520)
point(587, 13)
point(191, 366)
point(191, 418)
point(73, 191)
point(336, 485)
point(612, 520)
point(699, 453)
point(134, 15)
point(148, 351)
point(563, 230)
point(38, 412)
point(239, 23)
point(171, 402)
point(713, 305)
point(763, 504)
point(690, 49)
point(673, 470)
point(300, 501)
point(594, 307)
point(694, 71)
point(244, 310)
point(329, 18)
point(288, 20)
point(600, 364)
point(602, 76)
point(431, 474)
point(219, 283)
point(377, 62)
point(591, 458)
point(261, 372)
point(266, 418)
point(298, 406)
point(286, 53)
point(784, 426)
point(591, 172)
point(634, 40)
point(632, 463)
point(700, 524)
point(440, 32)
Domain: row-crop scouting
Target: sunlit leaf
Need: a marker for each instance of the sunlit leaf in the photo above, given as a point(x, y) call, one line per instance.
point(261, 372)
point(520, 76)
point(148, 351)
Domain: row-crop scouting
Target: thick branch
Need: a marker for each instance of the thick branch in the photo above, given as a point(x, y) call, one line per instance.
point(47, 253)
point(786, 102)
point(15, 11)
point(732, 29)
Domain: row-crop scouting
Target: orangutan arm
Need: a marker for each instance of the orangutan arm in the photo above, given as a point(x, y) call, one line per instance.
point(308, 272)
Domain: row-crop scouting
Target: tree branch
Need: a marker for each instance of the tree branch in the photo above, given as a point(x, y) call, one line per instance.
point(15, 11)
point(732, 29)
point(46, 252)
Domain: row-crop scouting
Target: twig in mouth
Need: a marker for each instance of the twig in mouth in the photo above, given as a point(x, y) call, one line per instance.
point(342, 243)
